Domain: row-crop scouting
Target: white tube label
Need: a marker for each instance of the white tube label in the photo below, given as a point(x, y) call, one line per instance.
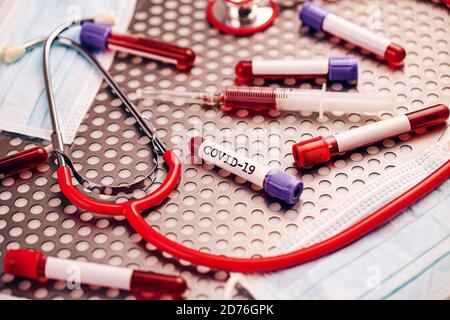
point(88, 273)
point(230, 161)
point(290, 67)
point(355, 34)
point(371, 133)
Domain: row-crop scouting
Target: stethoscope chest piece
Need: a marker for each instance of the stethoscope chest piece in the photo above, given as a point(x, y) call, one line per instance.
point(241, 17)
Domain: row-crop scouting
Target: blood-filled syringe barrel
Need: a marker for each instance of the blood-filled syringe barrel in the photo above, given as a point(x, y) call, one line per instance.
point(312, 100)
point(322, 19)
point(22, 161)
point(34, 265)
point(101, 37)
point(321, 149)
point(275, 182)
point(333, 69)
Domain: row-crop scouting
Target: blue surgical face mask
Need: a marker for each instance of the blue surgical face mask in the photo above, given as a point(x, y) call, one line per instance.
point(408, 258)
point(23, 103)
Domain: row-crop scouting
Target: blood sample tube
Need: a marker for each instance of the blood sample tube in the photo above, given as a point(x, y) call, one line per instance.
point(34, 265)
point(321, 149)
point(333, 69)
point(101, 37)
point(23, 161)
point(276, 183)
point(323, 20)
point(268, 98)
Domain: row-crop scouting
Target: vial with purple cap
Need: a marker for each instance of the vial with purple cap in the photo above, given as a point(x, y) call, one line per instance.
point(332, 69)
point(276, 183)
point(322, 19)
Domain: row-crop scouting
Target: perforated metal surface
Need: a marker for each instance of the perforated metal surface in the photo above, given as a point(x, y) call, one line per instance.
point(211, 210)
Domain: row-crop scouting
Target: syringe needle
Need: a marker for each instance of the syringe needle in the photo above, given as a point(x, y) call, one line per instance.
point(205, 98)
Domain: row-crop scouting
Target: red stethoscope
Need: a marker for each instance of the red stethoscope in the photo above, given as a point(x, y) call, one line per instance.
point(132, 210)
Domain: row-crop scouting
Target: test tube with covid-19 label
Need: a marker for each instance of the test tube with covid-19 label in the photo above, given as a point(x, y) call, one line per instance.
point(276, 183)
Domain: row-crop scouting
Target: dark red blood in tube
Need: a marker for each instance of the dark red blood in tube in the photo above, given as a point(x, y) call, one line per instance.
point(22, 161)
point(184, 57)
point(394, 55)
point(428, 117)
point(155, 282)
point(250, 98)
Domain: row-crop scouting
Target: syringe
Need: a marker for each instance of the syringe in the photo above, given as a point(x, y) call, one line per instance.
point(268, 98)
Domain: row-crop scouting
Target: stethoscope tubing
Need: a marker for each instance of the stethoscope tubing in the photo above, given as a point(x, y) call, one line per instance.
point(303, 255)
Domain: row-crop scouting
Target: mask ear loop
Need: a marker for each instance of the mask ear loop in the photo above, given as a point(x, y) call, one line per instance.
point(231, 284)
point(444, 139)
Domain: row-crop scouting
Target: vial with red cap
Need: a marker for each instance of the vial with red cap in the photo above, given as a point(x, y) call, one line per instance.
point(332, 69)
point(34, 265)
point(321, 149)
point(324, 20)
point(101, 37)
point(22, 161)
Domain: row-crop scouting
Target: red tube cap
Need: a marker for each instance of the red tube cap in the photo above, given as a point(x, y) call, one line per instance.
point(310, 152)
point(395, 55)
point(23, 263)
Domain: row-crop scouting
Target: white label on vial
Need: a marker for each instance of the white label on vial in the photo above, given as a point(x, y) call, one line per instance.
point(290, 67)
point(371, 133)
point(355, 34)
point(88, 273)
point(230, 161)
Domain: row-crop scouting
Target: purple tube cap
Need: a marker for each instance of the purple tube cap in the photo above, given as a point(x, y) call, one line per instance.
point(283, 186)
point(95, 35)
point(313, 15)
point(343, 69)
